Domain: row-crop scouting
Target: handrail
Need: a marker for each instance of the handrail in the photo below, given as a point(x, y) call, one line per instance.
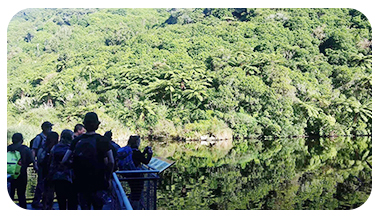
point(138, 178)
point(136, 171)
point(125, 200)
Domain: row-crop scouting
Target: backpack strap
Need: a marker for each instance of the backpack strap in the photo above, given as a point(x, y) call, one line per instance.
point(41, 141)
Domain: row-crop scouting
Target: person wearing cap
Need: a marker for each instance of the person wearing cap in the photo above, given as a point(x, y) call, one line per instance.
point(91, 174)
point(26, 159)
point(41, 138)
point(37, 144)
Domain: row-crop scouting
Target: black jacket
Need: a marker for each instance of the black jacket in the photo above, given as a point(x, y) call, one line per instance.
point(140, 157)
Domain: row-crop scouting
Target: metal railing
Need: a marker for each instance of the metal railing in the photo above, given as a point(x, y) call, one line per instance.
point(119, 199)
point(131, 189)
point(8, 181)
point(141, 186)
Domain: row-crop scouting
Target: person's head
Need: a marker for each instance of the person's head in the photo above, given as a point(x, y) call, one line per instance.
point(79, 129)
point(66, 136)
point(46, 126)
point(108, 134)
point(17, 138)
point(52, 139)
point(91, 122)
point(134, 141)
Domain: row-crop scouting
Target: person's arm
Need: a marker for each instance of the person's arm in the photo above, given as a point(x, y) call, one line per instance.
point(69, 152)
point(110, 161)
point(34, 150)
point(51, 156)
point(141, 157)
point(149, 156)
point(33, 153)
point(29, 157)
point(35, 163)
point(66, 156)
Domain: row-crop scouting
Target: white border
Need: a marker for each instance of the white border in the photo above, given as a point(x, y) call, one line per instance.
point(11, 8)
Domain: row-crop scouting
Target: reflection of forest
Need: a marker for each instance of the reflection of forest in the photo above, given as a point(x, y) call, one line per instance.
point(254, 174)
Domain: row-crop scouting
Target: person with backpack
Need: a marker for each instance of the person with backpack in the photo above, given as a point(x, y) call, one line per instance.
point(92, 164)
point(61, 175)
point(131, 158)
point(19, 157)
point(44, 158)
point(37, 145)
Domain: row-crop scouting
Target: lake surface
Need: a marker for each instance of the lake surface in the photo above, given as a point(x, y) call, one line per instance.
point(253, 174)
point(301, 173)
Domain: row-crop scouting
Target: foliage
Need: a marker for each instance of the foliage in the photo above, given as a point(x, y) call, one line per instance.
point(272, 72)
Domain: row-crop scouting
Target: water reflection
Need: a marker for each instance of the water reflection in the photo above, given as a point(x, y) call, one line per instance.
point(253, 174)
point(280, 174)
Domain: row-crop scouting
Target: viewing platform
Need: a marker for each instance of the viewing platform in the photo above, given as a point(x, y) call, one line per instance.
point(117, 197)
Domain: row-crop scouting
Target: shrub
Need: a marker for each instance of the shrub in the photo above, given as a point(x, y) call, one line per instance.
point(165, 128)
point(211, 127)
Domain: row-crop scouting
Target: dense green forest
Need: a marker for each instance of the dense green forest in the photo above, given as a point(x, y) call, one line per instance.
point(191, 72)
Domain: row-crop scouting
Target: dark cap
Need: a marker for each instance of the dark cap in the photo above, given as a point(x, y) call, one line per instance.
point(46, 125)
point(16, 138)
point(91, 118)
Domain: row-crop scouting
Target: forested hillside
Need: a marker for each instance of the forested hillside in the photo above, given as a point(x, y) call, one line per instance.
point(191, 72)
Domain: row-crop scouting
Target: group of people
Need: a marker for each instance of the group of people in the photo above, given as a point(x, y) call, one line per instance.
point(77, 166)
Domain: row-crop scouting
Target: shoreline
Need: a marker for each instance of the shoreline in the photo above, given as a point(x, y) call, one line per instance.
point(210, 139)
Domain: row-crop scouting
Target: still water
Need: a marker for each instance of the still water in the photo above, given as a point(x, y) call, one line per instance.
point(253, 174)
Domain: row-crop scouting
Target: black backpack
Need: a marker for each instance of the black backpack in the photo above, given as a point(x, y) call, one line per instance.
point(85, 157)
point(89, 172)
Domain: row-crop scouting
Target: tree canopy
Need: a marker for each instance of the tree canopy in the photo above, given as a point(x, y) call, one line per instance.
point(171, 72)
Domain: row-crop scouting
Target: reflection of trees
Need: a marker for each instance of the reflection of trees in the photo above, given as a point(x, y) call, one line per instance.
point(281, 174)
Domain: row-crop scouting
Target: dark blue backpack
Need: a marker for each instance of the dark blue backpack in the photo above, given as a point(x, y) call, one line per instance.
point(59, 151)
point(125, 159)
point(59, 171)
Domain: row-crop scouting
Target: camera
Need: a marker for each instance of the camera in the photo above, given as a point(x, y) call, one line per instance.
point(148, 149)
